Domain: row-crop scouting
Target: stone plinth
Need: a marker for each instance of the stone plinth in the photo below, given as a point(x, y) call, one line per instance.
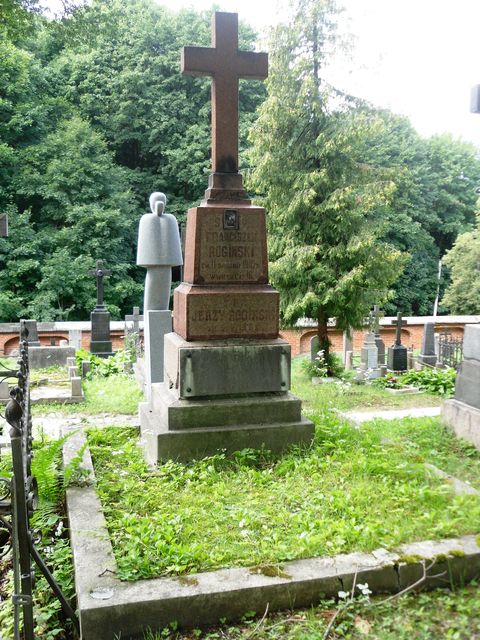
point(380, 349)
point(182, 429)
point(100, 343)
point(397, 358)
point(463, 419)
point(232, 311)
point(222, 395)
point(216, 368)
point(32, 332)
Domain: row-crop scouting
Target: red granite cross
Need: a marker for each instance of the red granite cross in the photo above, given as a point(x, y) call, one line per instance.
point(226, 64)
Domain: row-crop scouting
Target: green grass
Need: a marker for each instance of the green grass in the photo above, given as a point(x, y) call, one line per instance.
point(116, 394)
point(348, 396)
point(425, 616)
point(332, 498)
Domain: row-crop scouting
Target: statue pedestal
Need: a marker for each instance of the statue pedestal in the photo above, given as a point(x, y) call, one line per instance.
point(156, 325)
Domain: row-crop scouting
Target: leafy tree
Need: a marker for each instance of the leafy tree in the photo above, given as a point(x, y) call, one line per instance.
point(463, 293)
point(326, 205)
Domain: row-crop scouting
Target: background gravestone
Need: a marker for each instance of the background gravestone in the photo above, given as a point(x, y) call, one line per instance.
point(100, 340)
point(462, 413)
point(397, 359)
point(428, 355)
point(376, 314)
point(314, 347)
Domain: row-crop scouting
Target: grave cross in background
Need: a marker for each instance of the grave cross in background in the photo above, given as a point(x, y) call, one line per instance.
point(226, 64)
point(376, 314)
point(399, 323)
point(99, 272)
point(3, 225)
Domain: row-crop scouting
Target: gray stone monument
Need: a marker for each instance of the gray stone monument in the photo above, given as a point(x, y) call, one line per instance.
point(397, 353)
point(314, 347)
point(462, 413)
point(347, 347)
point(75, 338)
point(100, 341)
point(369, 357)
point(375, 315)
point(31, 333)
point(428, 355)
point(159, 249)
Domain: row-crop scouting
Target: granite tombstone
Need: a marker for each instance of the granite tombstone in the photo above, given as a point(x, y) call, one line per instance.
point(427, 355)
point(227, 372)
point(397, 353)
point(100, 340)
point(462, 413)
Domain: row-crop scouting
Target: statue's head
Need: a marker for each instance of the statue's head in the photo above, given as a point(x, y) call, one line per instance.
point(158, 202)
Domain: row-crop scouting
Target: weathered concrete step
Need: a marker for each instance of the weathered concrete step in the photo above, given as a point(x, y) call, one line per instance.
point(110, 608)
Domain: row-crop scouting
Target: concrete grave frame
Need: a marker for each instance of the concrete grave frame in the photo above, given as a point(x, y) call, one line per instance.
point(107, 606)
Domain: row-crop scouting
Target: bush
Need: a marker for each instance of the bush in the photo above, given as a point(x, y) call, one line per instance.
point(388, 382)
point(112, 366)
point(322, 367)
point(438, 381)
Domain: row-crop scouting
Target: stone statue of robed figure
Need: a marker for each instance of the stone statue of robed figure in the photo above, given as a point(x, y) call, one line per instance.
point(159, 249)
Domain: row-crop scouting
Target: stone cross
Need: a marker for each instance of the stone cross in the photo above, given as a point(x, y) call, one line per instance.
point(99, 272)
point(399, 323)
point(376, 314)
point(226, 64)
point(3, 225)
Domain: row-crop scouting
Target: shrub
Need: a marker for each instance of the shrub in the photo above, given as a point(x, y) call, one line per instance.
point(322, 367)
point(438, 381)
point(114, 365)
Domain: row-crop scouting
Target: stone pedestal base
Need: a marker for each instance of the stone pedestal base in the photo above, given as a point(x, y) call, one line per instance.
point(172, 428)
point(101, 344)
point(397, 358)
point(222, 396)
point(463, 419)
point(429, 360)
point(156, 325)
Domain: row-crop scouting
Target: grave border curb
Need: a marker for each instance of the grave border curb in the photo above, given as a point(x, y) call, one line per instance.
point(108, 607)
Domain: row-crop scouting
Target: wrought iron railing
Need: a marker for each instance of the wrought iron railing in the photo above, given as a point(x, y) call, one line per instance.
point(18, 500)
point(450, 350)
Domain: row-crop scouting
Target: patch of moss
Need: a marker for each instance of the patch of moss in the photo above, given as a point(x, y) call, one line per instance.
point(187, 581)
point(271, 571)
point(410, 559)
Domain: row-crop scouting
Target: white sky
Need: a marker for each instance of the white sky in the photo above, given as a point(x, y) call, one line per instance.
point(416, 57)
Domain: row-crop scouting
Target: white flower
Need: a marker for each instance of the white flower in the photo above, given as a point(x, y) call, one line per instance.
point(304, 534)
point(244, 533)
point(343, 595)
point(364, 589)
point(241, 524)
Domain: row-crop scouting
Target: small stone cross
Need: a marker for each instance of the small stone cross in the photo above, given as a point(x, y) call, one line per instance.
point(3, 225)
point(226, 64)
point(375, 316)
point(99, 272)
point(399, 323)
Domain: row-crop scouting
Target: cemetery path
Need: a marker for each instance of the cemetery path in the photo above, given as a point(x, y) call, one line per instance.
point(392, 414)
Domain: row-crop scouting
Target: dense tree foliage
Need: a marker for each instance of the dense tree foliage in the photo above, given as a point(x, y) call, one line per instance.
point(327, 207)
point(95, 115)
point(305, 128)
point(463, 293)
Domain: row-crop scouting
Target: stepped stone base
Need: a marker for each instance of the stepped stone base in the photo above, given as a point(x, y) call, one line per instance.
point(185, 429)
point(463, 419)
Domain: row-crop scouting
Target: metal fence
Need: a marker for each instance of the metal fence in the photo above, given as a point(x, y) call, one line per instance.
point(450, 350)
point(18, 500)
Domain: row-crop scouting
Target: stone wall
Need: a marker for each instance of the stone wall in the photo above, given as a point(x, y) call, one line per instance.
point(299, 337)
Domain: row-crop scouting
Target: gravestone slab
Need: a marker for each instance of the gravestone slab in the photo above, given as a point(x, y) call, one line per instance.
point(30, 327)
point(4, 390)
point(314, 347)
point(43, 357)
point(100, 343)
point(427, 354)
point(75, 338)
